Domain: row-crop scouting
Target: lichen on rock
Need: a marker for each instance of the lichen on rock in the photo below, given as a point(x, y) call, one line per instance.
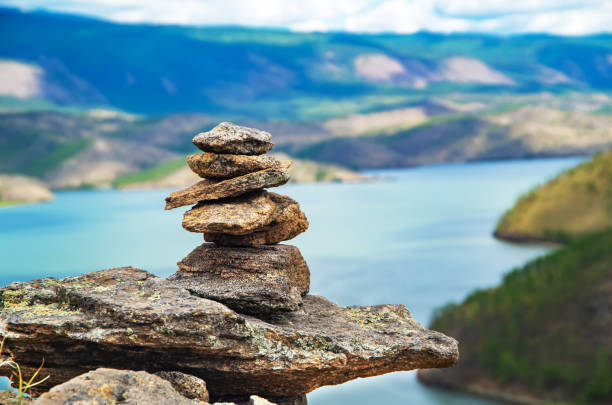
point(284, 356)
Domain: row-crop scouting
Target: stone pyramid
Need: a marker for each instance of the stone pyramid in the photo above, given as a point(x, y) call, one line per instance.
point(243, 267)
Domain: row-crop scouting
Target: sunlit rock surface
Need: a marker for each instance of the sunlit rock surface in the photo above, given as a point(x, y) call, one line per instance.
point(209, 189)
point(234, 139)
point(127, 318)
point(226, 166)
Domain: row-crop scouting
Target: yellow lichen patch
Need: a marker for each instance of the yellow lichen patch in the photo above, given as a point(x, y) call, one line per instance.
point(80, 284)
point(315, 344)
point(39, 309)
point(21, 300)
point(370, 318)
point(163, 329)
point(46, 310)
point(14, 297)
point(144, 291)
point(131, 334)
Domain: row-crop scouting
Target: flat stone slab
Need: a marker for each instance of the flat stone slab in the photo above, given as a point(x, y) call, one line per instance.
point(208, 189)
point(253, 280)
point(236, 216)
point(286, 223)
point(225, 166)
point(255, 219)
point(234, 139)
point(128, 318)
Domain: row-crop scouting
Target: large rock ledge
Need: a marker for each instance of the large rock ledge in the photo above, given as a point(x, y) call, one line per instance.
point(127, 318)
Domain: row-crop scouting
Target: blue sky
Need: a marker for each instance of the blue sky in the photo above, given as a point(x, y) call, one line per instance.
point(566, 17)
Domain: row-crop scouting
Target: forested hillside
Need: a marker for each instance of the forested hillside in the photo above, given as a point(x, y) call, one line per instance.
point(543, 334)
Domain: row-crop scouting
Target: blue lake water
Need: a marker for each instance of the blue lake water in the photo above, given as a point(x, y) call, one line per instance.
point(422, 237)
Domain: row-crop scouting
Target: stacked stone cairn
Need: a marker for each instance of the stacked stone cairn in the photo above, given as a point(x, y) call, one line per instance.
point(242, 265)
point(236, 314)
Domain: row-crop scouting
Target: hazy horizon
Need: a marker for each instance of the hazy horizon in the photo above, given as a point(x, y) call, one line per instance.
point(499, 17)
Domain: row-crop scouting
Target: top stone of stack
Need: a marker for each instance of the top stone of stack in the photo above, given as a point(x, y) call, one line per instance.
point(232, 164)
point(234, 139)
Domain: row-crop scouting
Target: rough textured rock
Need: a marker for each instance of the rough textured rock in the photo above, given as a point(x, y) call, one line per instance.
point(12, 397)
point(234, 139)
point(255, 219)
point(128, 318)
point(287, 222)
point(207, 189)
point(238, 216)
point(187, 385)
point(224, 166)
point(107, 386)
point(254, 280)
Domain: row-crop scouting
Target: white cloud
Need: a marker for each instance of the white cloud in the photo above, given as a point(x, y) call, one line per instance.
point(570, 17)
point(404, 17)
point(310, 26)
point(500, 7)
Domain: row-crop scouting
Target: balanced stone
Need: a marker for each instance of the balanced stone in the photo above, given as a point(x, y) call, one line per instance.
point(224, 166)
point(234, 139)
point(255, 280)
point(287, 222)
point(237, 216)
point(208, 189)
point(255, 219)
point(128, 318)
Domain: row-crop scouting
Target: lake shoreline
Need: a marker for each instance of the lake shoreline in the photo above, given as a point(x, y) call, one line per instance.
point(481, 392)
point(525, 239)
point(355, 242)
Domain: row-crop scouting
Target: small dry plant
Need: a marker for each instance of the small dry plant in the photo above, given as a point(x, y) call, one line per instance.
point(24, 388)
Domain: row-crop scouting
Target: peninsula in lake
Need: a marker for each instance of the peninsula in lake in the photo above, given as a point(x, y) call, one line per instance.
point(543, 334)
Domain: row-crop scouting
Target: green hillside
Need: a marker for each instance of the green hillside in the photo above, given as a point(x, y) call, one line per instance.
point(514, 132)
point(177, 174)
point(75, 118)
point(576, 202)
point(91, 148)
point(96, 147)
point(543, 334)
point(151, 174)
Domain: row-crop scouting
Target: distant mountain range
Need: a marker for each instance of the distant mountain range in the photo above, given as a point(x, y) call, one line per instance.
point(263, 73)
point(84, 102)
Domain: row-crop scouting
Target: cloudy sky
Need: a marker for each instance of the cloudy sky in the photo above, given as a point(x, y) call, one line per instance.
point(567, 17)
